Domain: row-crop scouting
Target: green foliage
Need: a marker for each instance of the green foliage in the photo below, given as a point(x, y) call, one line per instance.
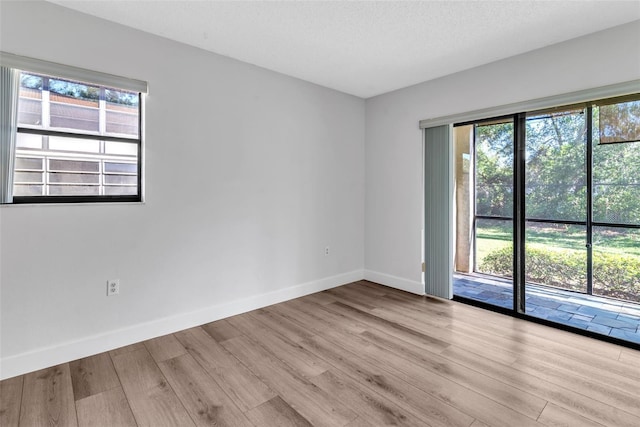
point(78, 90)
point(616, 176)
point(74, 89)
point(494, 169)
point(620, 122)
point(498, 262)
point(556, 169)
point(615, 275)
point(31, 81)
point(121, 97)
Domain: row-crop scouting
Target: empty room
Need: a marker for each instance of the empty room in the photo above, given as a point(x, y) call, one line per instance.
point(310, 213)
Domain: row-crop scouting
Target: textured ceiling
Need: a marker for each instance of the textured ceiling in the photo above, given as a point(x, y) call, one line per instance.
point(365, 48)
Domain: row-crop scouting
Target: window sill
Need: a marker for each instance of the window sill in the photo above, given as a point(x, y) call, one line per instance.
point(35, 204)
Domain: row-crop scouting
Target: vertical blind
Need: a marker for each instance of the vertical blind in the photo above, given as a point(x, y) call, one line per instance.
point(8, 113)
point(438, 211)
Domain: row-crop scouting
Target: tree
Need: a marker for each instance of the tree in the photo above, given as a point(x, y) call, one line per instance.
point(494, 170)
point(556, 170)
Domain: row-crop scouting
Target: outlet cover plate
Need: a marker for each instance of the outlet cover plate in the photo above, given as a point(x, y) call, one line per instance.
point(113, 287)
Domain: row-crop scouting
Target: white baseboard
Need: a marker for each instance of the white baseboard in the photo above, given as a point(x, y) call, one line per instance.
point(62, 353)
point(394, 282)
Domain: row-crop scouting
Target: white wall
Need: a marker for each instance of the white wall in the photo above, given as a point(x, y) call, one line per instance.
point(249, 175)
point(393, 167)
point(271, 170)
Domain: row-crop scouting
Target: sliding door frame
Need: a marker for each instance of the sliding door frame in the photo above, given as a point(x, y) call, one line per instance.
point(520, 221)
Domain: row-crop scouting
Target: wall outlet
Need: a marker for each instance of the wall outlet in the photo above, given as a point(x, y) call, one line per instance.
point(113, 287)
point(326, 251)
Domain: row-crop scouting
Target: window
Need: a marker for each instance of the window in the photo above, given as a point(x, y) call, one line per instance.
point(74, 139)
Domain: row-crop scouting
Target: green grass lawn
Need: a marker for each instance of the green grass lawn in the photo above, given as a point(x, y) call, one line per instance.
point(557, 256)
point(563, 237)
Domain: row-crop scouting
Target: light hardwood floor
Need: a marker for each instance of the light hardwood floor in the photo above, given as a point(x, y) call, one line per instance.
point(357, 355)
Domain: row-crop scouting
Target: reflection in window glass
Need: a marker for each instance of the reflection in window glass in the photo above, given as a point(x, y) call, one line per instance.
point(619, 122)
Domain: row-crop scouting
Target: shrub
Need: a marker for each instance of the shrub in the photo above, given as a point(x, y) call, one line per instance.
point(616, 276)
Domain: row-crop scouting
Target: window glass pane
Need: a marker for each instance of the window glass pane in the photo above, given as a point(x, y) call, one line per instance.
point(120, 191)
point(494, 170)
point(30, 163)
point(122, 112)
point(65, 115)
point(74, 105)
point(74, 178)
point(619, 122)
point(616, 179)
point(73, 165)
point(116, 98)
point(31, 81)
point(126, 148)
point(494, 247)
point(555, 176)
point(121, 179)
point(122, 123)
point(110, 167)
point(616, 262)
point(556, 255)
point(72, 92)
point(73, 190)
point(27, 190)
point(30, 101)
point(28, 177)
point(74, 144)
point(122, 98)
point(25, 140)
point(29, 111)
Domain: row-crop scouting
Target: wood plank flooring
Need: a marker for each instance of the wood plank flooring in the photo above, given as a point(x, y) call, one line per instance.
point(357, 355)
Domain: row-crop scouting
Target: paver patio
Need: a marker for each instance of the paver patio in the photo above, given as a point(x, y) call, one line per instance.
point(616, 318)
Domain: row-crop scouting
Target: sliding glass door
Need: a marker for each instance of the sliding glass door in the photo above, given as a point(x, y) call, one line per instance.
point(616, 201)
point(493, 225)
point(555, 217)
point(555, 193)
